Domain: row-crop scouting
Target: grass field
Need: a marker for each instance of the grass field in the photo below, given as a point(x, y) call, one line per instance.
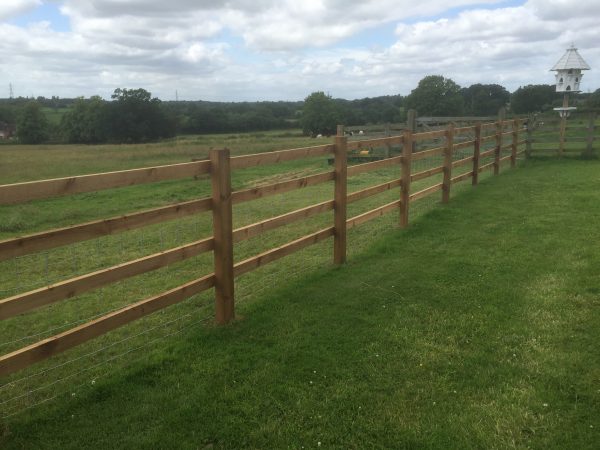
point(475, 328)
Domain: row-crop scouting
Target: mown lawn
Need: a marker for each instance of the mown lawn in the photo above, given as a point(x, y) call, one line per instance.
point(477, 327)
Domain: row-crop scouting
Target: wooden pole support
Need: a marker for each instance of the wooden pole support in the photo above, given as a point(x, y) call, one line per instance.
point(448, 163)
point(405, 166)
point(476, 153)
point(498, 150)
point(340, 197)
point(223, 235)
point(515, 140)
point(563, 126)
point(589, 151)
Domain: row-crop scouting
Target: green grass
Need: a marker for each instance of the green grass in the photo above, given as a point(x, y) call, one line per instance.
point(475, 328)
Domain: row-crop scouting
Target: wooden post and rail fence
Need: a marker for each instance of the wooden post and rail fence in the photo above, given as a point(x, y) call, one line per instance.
point(219, 166)
point(553, 136)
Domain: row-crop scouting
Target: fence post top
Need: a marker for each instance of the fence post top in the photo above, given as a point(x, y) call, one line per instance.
point(224, 151)
point(340, 130)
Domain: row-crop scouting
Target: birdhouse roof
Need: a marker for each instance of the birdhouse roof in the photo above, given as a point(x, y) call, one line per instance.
point(571, 60)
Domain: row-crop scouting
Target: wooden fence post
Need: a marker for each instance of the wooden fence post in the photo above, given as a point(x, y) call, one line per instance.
point(499, 130)
point(476, 153)
point(340, 196)
point(515, 140)
point(589, 151)
point(448, 151)
point(563, 126)
point(223, 235)
point(405, 167)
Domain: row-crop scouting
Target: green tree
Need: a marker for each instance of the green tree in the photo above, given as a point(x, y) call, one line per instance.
point(319, 114)
point(32, 124)
point(134, 116)
point(533, 98)
point(85, 122)
point(485, 99)
point(436, 96)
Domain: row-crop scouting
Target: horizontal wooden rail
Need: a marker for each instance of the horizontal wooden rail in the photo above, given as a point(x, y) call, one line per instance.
point(375, 165)
point(426, 173)
point(486, 166)
point(28, 301)
point(524, 141)
point(278, 188)
point(373, 214)
point(459, 178)
point(485, 126)
point(488, 138)
point(54, 345)
point(373, 190)
point(427, 153)
point(506, 147)
point(35, 190)
point(462, 145)
point(425, 192)
point(380, 142)
point(464, 130)
point(249, 231)
point(506, 158)
point(429, 135)
point(259, 159)
point(462, 162)
point(487, 153)
point(257, 261)
point(507, 133)
point(45, 240)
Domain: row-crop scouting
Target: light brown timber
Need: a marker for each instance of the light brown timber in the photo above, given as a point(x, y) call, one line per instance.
point(373, 214)
point(405, 165)
point(462, 162)
point(462, 177)
point(255, 229)
point(45, 240)
point(28, 301)
point(272, 255)
point(375, 165)
point(223, 236)
point(476, 154)
point(259, 159)
point(35, 190)
point(54, 345)
point(426, 192)
point(340, 198)
point(427, 153)
point(426, 173)
point(278, 188)
point(373, 190)
point(448, 163)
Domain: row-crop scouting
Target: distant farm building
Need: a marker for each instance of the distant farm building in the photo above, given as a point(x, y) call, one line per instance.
point(6, 131)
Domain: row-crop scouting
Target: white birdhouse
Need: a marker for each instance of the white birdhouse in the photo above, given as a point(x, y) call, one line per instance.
point(568, 71)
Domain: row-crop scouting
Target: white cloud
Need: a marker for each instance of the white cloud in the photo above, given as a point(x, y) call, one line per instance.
point(268, 49)
point(13, 8)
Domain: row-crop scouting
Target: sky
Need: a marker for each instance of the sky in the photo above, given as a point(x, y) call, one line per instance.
point(259, 50)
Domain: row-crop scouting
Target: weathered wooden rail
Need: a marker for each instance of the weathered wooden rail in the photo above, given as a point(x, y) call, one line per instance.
point(502, 134)
point(573, 136)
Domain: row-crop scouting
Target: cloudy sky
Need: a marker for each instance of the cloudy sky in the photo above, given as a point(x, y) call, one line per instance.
point(235, 50)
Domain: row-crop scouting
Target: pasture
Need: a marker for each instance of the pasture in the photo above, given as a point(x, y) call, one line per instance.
point(473, 328)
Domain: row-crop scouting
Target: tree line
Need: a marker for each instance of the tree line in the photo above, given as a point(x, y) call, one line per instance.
point(133, 115)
